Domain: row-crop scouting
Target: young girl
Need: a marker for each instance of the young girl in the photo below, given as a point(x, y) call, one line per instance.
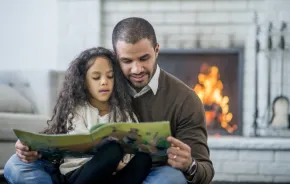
point(95, 91)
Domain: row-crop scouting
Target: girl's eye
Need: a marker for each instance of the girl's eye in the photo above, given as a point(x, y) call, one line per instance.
point(111, 77)
point(96, 78)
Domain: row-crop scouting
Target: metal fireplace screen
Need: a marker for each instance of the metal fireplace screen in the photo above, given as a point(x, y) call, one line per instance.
point(216, 77)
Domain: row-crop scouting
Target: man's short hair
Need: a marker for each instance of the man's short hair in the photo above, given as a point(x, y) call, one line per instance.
point(133, 29)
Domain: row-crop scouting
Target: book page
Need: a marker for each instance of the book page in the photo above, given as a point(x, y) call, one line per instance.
point(136, 137)
point(57, 145)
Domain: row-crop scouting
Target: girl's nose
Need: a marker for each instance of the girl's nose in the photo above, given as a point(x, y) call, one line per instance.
point(104, 81)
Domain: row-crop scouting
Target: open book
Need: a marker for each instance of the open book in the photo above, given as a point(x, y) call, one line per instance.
point(134, 137)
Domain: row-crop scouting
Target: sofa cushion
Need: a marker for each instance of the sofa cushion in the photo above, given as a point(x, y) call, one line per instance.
point(22, 121)
point(7, 149)
point(12, 101)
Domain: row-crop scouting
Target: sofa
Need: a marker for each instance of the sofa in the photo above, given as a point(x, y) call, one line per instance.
point(17, 111)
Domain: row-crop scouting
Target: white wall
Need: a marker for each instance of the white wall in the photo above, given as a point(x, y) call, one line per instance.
point(39, 36)
point(28, 34)
point(28, 43)
point(79, 28)
point(211, 21)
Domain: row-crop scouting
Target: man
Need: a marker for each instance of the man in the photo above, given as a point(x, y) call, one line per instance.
point(157, 96)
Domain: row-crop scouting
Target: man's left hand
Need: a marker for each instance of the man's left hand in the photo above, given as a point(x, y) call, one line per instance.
point(179, 154)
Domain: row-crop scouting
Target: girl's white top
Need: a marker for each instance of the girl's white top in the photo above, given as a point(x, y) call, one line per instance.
point(85, 118)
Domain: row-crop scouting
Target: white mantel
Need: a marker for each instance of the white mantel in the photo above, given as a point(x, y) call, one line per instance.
point(249, 143)
point(248, 159)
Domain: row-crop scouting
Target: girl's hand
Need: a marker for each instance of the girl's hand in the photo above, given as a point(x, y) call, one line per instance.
point(24, 154)
point(121, 166)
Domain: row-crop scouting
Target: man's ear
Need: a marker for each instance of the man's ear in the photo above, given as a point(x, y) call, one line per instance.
point(157, 50)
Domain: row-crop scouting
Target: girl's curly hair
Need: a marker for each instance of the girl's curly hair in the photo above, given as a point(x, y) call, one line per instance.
point(74, 94)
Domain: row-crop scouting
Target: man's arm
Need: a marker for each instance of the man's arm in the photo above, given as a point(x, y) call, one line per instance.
point(191, 130)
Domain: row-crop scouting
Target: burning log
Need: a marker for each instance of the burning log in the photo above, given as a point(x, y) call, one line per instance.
point(209, 89)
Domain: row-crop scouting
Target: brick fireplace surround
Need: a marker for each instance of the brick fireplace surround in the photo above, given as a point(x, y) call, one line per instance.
point(202, 24)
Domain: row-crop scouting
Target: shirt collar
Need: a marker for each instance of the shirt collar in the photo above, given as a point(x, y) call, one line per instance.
point(153, 85)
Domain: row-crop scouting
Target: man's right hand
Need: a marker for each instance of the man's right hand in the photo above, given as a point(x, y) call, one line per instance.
point(24, 154)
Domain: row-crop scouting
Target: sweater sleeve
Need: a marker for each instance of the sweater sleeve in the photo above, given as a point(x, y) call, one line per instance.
point(191, 129)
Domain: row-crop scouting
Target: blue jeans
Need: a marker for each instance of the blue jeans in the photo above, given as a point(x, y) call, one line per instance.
point(165, 175)
point(18, 172)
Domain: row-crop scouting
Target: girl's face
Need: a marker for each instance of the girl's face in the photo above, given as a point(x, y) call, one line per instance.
point(100, 81)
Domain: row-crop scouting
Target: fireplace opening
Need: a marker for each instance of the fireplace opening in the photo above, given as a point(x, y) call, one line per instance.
point(216, 77)
point(210, 90)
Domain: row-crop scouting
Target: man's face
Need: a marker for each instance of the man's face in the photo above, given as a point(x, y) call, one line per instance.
point(138, 61)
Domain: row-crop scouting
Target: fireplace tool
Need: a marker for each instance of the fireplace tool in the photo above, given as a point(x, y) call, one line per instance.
point(280, 107)
point(258, 49)
point(269, 59)
point(269, 50)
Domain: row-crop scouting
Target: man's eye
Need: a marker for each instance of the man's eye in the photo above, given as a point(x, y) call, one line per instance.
point(143, 59)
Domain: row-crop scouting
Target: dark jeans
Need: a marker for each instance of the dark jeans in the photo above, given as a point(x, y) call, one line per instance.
point(100, 168)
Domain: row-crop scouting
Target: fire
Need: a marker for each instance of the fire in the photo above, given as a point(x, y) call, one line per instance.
point(210, 90)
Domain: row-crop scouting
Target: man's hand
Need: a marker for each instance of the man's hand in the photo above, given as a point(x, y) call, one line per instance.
point(179, 154)
point(24, 154)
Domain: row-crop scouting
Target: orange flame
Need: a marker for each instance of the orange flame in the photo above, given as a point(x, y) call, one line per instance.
point(209, 90)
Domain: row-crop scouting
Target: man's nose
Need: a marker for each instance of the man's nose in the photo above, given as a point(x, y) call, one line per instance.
point(136, 68)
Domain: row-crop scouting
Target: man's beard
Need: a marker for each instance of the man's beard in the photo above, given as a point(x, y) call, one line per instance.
point(138, 86)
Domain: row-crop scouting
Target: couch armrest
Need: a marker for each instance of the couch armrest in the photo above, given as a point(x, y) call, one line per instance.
point(27, 122)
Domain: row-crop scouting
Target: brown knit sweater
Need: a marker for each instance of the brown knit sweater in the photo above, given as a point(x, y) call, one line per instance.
point(177, 103)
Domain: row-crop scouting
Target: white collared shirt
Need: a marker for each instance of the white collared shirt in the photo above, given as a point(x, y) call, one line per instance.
point(153, 85)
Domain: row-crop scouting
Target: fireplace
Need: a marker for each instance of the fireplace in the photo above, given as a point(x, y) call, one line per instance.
point(216, 76)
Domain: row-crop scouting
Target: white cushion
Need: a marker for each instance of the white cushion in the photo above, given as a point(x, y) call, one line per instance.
point(12, 101)
point(23, 121)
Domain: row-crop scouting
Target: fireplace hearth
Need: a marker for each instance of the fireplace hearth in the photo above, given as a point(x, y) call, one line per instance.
point(216, 77)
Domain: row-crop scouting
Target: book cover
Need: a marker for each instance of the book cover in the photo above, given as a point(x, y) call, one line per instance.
point(149, 137)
